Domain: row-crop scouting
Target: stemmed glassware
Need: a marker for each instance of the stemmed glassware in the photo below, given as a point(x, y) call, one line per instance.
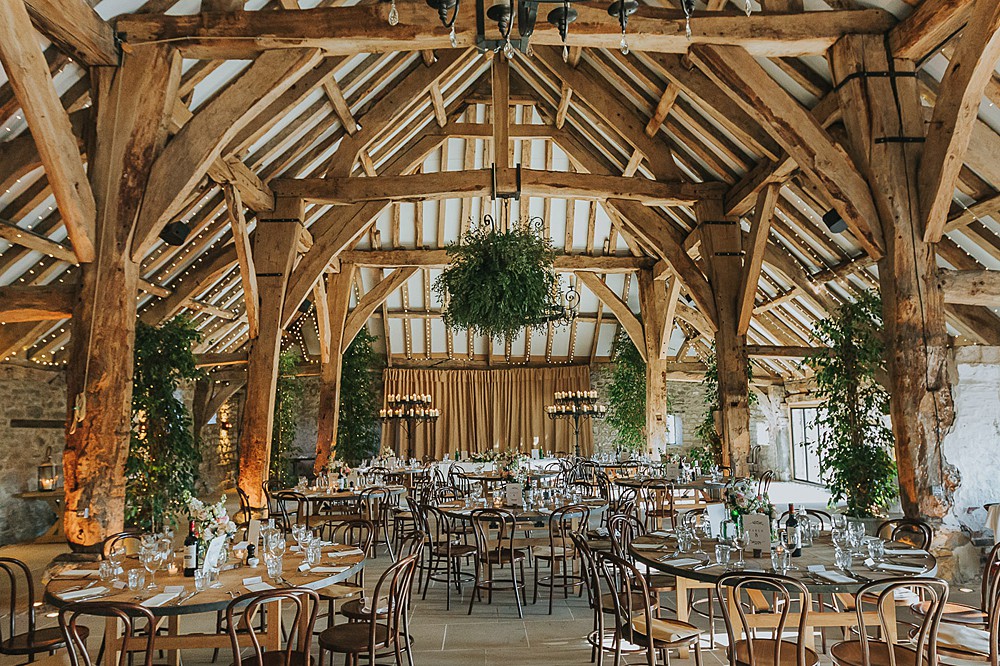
point(741, 539)
point(151, 558)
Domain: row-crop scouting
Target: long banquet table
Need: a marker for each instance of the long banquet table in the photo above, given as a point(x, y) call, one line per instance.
point(658, 551)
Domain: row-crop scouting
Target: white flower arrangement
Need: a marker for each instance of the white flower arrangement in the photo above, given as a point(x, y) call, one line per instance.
point(211, 520)
point(338, 467)
point(741, 498)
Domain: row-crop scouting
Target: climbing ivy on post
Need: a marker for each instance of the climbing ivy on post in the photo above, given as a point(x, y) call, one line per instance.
point(627, 396)
point(855, 449)
point(164, 452)
point(358, 429)
point(287, 406)
point(710, 453)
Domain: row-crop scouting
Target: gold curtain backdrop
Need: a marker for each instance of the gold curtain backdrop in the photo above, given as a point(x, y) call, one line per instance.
point(480, 408)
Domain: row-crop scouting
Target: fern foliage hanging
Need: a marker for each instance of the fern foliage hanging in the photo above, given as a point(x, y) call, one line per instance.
point(499, 281)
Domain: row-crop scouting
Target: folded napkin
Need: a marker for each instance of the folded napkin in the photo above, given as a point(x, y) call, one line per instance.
point(259, 587)
point(966, 639)
point(160, 599)
point(647, 546)
point(679, 561)
point(835, 577)
point(345, 553)
point(661, 533)
point(905, 551)
point(321, 583)
point(78, 594)
point(383, 605)
point(329, 569)
point(76, 573)
point(544, 510)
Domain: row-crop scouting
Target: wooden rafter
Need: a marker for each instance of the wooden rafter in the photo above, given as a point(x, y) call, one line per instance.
point(244, 254)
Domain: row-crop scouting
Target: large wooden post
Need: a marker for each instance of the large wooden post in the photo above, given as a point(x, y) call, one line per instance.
point(338, 294)
point(721, 241)
point(132, 104)
point(885, 127)
point(653, 302)
point(275, 242)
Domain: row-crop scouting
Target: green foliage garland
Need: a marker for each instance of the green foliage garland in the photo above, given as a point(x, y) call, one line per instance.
point(164, 453)
point(627, 396)
point(498, 282)
point(855, 451)
point(287, 405)
point(358, 430)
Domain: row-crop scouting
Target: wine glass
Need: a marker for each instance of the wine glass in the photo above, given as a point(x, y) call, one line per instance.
point(151, 559)
point(857, 529)
point(116, 557)
point(740, 540)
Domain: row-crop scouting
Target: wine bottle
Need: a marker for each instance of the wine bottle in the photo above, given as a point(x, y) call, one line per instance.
point(190, 551)
point(792, 534)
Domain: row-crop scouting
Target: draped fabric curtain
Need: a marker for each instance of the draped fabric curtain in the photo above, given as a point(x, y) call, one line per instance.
point(483, 408)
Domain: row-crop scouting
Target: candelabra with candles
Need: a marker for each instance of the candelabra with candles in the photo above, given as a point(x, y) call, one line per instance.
point(576, 405)
point(409, 409)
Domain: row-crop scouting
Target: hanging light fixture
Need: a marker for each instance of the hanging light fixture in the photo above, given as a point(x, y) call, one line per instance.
point(622, 9)
point(48, 473)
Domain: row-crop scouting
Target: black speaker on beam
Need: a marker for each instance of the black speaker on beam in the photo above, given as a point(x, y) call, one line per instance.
point(305, 306)
point(175, 233)
point(834, 222)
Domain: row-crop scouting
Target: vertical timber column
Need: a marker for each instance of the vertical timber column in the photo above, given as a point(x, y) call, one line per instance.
point(131, 105)
point(338, 292)
point(275, 242)
point(885, 125)
point(721, 242)
point(653, 304)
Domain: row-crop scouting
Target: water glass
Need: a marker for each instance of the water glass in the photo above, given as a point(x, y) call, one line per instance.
point(876, 549)
point(315, 553)
point(106, 570)
point(780, 559)
point(201, 580)
point(136, 579)
point(841, 538)
point(842, 559)
point(274, 566)
point(722, 553)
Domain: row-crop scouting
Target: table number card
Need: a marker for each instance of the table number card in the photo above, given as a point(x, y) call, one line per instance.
point(716, 514)
point(671, 471)
point(253, 533)
point(758, 529)
point(535, 454)
point(515, 494)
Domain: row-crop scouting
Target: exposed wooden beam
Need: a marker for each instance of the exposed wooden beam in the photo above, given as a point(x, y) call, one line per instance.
point(340, 106)
point(621, 310)
point(256, 195)
point(930, 25)
point(77, 29)
point(372, 300)
point(778, 351)
point(338, 294)
point(800, 135)
point(437, 104)
point(26, 238)
point(754, 260)
point(971, 287)
point(479, 183)
point(500, 79)
point(244, 254)
point(365, 29)
point(36, 303)
point(662, 110)
point(565, 97)
point(955, 114)
point(50, 127)
point(200, 142)
point(439, 259)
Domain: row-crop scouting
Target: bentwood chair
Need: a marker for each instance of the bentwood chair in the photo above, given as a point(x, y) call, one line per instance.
point(966, 614)
point(495, 531)
point(137, 622)
point(623, 528)
point(373, 503)
point(240, 614)
point(564, 522)
point(446, 550)
point(657, 499)
point(129, 540)
point(773, 649)
point(357, 532)
point(635, 621)
point(292, 507)
point(962, 644)
point(383, 624)
point(911, 531)
point(34, 640)
point(887, 651)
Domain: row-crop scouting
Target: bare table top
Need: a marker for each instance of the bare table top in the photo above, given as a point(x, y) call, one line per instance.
point(231, 580)
point(652, 549)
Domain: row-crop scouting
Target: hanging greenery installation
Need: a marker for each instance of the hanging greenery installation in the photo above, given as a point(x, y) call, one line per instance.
point(164, 453)
point(855, 448)
point(627, 396)
point(499, 281)
point(358, 430)
point(287, 405)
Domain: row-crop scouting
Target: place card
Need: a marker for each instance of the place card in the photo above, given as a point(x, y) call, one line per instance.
point(119, 585)
point(515, 494)
point(835, 577)
point(214, 550)
point(647, 546)
point(661, 533)
point(304, 566)
point(716, 514)
point(252, 580)
point(672, 471)
point(758, 529)
point(536, 454)
point(905, 551)
point(241, 546)
point(321, 583)
point(75, 573)
point(160, 599)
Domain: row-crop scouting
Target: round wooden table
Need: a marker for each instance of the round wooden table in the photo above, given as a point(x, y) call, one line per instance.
point(231, 581)
point(321, 496)
point(658, 552)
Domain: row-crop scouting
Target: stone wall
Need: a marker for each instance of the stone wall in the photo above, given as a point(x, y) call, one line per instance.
point(33, 395)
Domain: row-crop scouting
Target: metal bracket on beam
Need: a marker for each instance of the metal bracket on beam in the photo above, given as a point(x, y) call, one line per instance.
point(873, 75)
point(720, 223)
point(270, 220)
point(739, 253)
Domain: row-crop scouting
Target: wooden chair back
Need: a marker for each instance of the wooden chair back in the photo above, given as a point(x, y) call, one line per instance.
point(924, 639)
point(19, 578)
point(130, 540)
point(291, 506)
point(138, 626)
point(912, 531)
point(622, 528)
point(241, 612)
point(784, 592)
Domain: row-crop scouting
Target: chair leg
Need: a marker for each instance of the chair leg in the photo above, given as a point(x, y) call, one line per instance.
point(534, 597)
point(475, 587)
point(552, 581)
point(517, 590)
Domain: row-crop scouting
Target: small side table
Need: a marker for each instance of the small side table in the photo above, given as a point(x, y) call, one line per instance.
point(54, 499)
